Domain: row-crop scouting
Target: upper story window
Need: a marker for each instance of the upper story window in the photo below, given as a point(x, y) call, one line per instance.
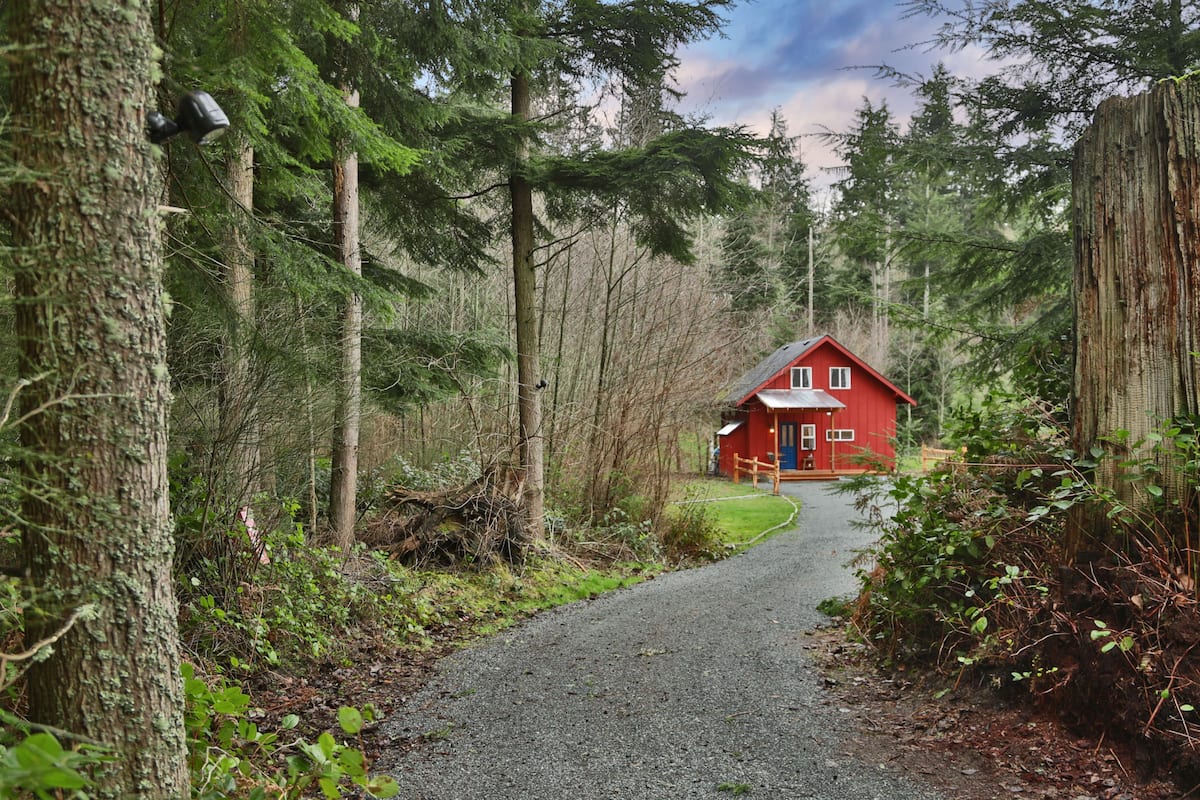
point(839, 377)
point(801, 377)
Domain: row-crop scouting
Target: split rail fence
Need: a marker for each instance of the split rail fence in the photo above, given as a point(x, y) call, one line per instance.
point(752, 467)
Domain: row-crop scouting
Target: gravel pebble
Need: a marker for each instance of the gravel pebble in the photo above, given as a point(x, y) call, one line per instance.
point(694, 685)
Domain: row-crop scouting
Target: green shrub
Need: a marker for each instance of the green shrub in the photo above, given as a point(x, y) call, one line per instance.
point(966, 553)
point(299, 605)
point(231, 757)
point(689, 530)
point(37, 765)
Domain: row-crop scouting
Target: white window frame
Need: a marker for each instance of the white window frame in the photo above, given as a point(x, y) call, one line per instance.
point(839, 435)
point(805, 375)
point(842, 373)
point(808, 437)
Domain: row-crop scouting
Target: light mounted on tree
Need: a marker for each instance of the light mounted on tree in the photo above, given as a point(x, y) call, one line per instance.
point(198, 114)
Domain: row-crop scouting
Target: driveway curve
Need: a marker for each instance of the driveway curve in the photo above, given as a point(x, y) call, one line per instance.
point(697, 684)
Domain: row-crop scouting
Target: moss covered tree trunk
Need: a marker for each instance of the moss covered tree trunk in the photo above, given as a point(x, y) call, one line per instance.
point(529, 402)
point(1136, 196)
point(97, 533)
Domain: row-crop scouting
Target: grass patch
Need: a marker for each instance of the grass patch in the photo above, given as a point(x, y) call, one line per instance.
point(481, 603)
point(739, 512)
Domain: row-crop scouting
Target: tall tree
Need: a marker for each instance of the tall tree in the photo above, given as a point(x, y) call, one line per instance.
point(629, 46)
point(343, 479)
point(88, 261)
point(865, 216)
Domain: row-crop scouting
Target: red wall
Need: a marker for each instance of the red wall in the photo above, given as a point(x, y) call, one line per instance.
point(870, 412)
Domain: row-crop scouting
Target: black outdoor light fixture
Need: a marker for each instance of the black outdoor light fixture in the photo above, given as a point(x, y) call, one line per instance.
point(198, 114)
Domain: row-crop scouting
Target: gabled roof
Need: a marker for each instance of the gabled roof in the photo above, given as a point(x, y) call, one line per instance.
point(753, 381)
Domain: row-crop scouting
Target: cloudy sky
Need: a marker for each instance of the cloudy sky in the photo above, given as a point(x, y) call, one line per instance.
point(799, 56)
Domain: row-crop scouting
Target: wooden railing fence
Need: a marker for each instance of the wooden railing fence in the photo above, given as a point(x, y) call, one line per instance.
point(752, 466)
point(936, 455)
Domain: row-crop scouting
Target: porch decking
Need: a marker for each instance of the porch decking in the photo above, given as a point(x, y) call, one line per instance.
point(817, 474)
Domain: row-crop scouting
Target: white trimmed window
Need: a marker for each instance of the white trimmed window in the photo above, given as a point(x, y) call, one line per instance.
point(808, 437)
point(801, 377)
point(839, 435)
point(839, 377)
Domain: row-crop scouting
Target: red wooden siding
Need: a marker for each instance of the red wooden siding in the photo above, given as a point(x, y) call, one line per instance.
point(870, 412)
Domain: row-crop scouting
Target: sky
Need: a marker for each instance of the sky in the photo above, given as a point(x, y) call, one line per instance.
point(799, 56)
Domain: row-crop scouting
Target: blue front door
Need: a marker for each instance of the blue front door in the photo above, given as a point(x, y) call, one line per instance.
point(787, 445)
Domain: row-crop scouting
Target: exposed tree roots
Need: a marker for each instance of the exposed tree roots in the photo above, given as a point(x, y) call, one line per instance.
point(479, 524)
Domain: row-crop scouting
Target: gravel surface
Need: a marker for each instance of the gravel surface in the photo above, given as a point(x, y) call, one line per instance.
point(697, 684)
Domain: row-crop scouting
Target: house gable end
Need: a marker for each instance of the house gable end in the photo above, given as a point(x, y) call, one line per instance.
point(767, 370)
point(794, 354)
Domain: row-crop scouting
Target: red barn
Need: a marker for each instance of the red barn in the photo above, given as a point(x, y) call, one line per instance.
point(813, 405)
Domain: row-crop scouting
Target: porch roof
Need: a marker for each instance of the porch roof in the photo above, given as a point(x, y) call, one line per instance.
point(799, 400)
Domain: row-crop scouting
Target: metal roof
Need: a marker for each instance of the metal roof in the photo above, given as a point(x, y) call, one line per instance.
point(730, 428)
point(766, 369)
point(752, 381)
point(799, 399)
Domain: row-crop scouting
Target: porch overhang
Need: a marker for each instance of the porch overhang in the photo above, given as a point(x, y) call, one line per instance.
point(799, 400)
point(730, 428)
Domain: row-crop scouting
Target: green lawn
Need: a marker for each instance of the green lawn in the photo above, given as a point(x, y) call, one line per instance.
point(741, 512)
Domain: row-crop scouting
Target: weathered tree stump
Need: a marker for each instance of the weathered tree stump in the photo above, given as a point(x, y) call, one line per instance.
point(1136, 193)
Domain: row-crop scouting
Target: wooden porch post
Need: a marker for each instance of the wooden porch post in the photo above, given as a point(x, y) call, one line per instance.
point(775, 427)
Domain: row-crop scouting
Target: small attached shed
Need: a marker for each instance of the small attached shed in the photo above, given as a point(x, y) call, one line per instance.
point(812, 405)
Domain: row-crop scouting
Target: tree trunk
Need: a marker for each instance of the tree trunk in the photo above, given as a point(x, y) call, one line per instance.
point(529, 405)
point(91, 331)
point(343, 479)
point(240, 433)
point(1137, 291)
point(812, 322)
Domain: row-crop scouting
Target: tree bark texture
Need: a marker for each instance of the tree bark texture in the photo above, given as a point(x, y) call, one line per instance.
point(1136, 192)
point(241, 430)
point(91, 331)
point(529, 405)
point(343, 486)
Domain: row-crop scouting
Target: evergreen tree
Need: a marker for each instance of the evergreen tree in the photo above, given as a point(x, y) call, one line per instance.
point(95, 521)
point(745, 272)
point(659, 184)
point(864, 219)
point(789, 224)
point(1060, 60)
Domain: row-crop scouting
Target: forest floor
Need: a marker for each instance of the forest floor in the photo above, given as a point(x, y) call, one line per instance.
point(973, 743)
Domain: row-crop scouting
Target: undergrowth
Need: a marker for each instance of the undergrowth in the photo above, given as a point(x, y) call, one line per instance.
point(970, 576)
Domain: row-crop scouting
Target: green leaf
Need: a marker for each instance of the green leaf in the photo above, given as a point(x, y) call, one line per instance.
point(383, 786)
point(350, 719)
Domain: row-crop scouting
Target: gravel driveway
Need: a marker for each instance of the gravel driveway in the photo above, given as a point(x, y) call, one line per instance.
point(694, 685)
